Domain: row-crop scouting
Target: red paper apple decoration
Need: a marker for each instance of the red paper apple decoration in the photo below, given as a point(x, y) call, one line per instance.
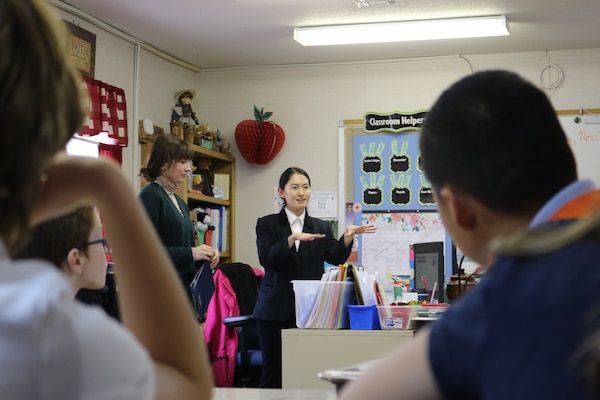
point(259, 140)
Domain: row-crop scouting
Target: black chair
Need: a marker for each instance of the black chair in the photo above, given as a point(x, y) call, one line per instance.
point(248, 360)
point(105, 297)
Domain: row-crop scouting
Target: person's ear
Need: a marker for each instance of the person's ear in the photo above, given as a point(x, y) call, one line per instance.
point(459, 208)
point(74, 262)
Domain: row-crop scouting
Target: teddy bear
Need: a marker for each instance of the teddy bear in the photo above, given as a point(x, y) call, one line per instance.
point(223, 144)
point(202, 164)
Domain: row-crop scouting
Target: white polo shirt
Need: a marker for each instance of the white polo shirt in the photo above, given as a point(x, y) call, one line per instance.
point(52, 347)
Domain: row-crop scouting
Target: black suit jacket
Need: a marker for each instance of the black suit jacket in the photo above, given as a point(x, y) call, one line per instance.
point(283, 264)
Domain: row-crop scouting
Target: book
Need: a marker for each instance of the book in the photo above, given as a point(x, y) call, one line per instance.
point(225, 229)
point(215, 217)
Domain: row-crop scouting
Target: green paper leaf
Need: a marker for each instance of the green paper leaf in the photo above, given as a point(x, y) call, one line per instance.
point(257, 113)
point(261, 115)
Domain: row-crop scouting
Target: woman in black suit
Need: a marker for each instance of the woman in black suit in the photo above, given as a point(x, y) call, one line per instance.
point(291, 245)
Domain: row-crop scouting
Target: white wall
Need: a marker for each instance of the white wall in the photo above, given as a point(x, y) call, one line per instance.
point(309, 102)
point(115, 64)
point(160, 80)
point(149, 82)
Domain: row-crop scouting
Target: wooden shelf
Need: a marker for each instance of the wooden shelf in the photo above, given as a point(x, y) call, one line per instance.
point(208, 199)
point(212, 154)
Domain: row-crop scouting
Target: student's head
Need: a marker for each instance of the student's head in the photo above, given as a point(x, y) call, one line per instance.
point(73, 243)
point(294, 189)
point(32, 129)
point(495, 138)
point(168, 151)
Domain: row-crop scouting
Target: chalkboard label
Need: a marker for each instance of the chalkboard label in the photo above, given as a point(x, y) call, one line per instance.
point(394, 122)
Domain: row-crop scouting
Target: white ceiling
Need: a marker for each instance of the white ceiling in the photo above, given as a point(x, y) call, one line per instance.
point(237, 33)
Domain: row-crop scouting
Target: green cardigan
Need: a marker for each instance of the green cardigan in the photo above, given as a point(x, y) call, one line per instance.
point(175, 230)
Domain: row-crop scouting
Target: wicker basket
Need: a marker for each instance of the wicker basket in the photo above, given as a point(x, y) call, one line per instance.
point(458, 287)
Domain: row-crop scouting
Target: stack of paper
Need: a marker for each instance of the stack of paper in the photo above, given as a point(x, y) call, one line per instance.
point(323, 304)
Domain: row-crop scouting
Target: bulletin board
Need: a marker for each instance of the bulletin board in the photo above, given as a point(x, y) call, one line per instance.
point(583, 133)
point(387, 251)
point(395, 196)
point(381, 178)
point(388, 188)
point(388, 168)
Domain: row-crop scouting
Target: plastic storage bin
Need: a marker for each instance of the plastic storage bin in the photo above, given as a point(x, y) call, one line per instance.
point(396, 317)
point(363, 317)
point(322, 304)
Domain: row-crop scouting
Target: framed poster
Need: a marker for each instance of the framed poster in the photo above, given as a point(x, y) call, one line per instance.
point(387, 251)
point(201, 181)
point(81, 49)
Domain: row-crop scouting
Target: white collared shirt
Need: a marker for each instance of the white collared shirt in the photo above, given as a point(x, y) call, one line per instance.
point(295, 228)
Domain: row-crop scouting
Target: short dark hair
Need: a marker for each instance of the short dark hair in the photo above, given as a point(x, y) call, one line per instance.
point(53, 239)
point(165, 149)
point(497, 138)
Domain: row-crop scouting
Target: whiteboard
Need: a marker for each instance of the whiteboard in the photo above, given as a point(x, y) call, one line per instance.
point(583, 133)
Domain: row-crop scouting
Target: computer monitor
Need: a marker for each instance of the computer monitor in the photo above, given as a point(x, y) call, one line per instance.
point(429, 269)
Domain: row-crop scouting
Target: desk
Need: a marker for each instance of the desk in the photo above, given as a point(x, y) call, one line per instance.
point(306, 352)
point(273, 394)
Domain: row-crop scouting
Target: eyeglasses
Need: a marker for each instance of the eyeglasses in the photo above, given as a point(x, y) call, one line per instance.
point(104, 242)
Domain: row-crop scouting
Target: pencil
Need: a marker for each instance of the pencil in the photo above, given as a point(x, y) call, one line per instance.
point(433, 292)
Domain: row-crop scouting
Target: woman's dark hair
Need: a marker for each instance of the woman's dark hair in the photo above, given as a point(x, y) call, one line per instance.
point(287, 174)
point(166, 149)
point(496, 137)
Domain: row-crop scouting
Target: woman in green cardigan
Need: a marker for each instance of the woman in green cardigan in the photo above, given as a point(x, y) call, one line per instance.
point(168, 167)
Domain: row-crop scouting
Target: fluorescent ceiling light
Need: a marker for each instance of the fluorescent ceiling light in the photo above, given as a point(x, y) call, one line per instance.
point(404, 31)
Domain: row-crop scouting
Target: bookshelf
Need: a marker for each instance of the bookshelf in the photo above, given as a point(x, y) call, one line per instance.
point(218, 163)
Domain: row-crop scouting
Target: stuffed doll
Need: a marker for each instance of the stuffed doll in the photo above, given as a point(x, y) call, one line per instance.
point(203, 224)
point(182, 112)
